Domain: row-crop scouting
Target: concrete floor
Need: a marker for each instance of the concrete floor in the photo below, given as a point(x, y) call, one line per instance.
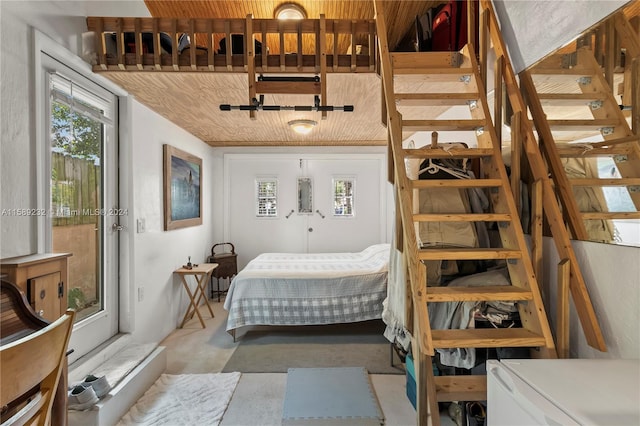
point(259, 397)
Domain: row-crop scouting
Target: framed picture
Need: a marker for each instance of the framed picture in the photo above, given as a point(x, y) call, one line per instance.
point(182, 189)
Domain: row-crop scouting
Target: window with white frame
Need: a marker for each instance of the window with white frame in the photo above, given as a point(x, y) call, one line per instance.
point(266, 197)
point(343, 196)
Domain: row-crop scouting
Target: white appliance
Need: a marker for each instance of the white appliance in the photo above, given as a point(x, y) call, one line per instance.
point(563, 392)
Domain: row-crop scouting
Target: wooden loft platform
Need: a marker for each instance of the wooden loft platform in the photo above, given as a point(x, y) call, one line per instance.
point(294, 47)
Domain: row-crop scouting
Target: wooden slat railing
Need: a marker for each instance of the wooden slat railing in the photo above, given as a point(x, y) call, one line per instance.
point(143, 44)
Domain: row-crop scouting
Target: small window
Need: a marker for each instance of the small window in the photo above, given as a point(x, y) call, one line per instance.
point(266, 197)
point(343, 193)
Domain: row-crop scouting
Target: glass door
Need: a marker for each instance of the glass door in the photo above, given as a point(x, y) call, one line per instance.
point(84, 216)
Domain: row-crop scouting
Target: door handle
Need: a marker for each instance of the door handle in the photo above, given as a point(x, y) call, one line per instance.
point(290, 213)
point(310, 229)
point(320, 213)
point(117, 227)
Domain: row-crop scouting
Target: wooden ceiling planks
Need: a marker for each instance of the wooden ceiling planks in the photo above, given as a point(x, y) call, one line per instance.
point(192, 101)
point(400, 14)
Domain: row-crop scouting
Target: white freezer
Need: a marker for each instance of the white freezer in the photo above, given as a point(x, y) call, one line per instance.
point(563, 392)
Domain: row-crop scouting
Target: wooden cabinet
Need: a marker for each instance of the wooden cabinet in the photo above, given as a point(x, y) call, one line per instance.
point(43, 279)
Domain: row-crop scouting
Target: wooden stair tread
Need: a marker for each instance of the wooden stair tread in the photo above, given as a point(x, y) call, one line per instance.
point(486, 338)
point(461, 388)
point(441, 125)
point(431, 61)
point(604, 182)
point(435, 99)
point(582, 151)
point(456, 183)
point(450, 153)
point(570, 99)
point(461, 217)
point(610, 215)
point(582, 124)
point(479, 293)
point(468, 253)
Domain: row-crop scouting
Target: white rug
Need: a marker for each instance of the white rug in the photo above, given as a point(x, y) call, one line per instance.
point(185, 399)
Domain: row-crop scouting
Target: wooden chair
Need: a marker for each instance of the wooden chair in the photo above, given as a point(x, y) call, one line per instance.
point(33, 362)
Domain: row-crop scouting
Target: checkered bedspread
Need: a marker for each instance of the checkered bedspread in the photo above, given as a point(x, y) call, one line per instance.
point(298, 289)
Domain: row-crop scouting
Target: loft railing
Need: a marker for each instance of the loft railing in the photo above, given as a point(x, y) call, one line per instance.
point(224, 45)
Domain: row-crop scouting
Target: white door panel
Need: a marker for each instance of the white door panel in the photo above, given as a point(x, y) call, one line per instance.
point(253, 235)
point(353, 233)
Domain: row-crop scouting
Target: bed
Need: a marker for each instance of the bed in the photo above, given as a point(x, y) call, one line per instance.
point(309, 289)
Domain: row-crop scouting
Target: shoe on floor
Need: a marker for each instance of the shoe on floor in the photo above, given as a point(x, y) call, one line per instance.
point(81, 398)
point(99, 384)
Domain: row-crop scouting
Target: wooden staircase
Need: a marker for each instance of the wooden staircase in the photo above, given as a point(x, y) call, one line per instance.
point(575, 83)
point(431, 80)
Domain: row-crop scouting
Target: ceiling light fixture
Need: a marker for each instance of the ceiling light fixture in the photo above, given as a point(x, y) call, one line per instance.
point(303, 127)
point(290, 11)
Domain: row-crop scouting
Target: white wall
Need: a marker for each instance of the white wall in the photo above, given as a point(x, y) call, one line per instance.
point(157, 253)
point(148, 259)
point(612, 275)
point(532, 28)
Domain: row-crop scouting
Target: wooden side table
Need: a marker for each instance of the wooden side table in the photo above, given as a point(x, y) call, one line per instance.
point(202, 274)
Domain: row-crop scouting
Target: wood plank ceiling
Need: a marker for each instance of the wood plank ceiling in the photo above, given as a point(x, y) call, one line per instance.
point(191, 100)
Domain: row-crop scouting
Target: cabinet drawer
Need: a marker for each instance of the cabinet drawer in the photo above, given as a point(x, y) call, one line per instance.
point(227, 265)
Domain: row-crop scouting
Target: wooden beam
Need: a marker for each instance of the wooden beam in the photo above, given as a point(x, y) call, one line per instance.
point(289, 87)
point(562, 301)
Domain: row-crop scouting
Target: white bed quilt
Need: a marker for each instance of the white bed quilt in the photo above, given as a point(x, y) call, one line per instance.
point(314, 288)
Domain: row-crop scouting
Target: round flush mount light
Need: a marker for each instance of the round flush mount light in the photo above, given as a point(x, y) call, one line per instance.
point(303, 127)
point(290, 11)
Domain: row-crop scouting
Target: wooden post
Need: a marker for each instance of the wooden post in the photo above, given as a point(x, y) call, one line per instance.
point(562, 308)
point(536, 236)
point(210, 60)
point(174, 42)
point(100, 44)
point(635, 95)
point(192, 48)
point(516, 154)
point(250, 59)
point(138, 43)
point(323, 64)
point(484, 48)
point(497, 96)
point(609, 51)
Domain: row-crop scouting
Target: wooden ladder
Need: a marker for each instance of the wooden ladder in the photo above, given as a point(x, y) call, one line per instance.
point(443, 79)
point(575, 83)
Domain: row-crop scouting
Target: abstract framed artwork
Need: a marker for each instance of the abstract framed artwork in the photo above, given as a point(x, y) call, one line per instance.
point(182, 189)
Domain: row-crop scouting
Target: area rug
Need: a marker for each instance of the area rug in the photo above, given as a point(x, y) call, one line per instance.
point(276, 349)
point(184, 399)
point(330, 396)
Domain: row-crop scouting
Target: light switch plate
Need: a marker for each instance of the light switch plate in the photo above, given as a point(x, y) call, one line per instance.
point(141, 226)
